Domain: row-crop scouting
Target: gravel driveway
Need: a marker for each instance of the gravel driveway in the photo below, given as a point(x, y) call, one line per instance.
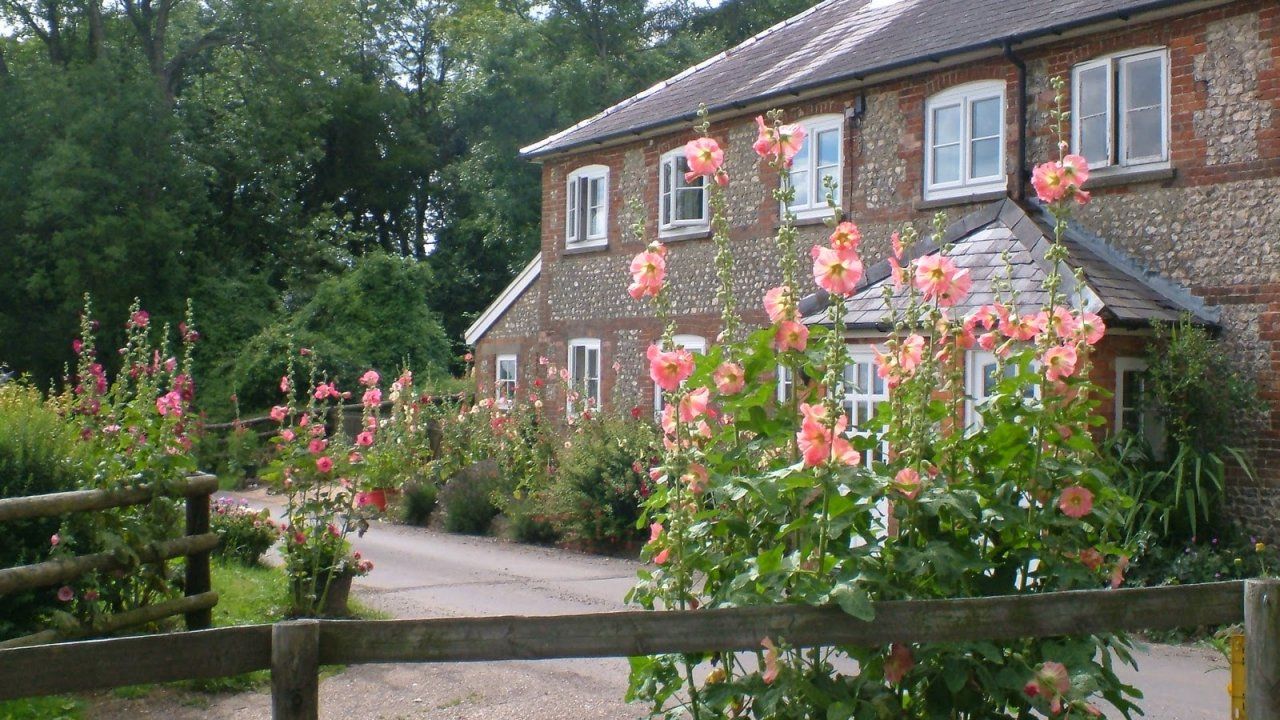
point(422, 573)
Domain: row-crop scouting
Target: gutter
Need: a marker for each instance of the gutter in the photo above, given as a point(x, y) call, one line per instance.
point(1019, 188)
point(861, 77)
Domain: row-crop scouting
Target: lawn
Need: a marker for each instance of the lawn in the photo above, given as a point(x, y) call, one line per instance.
point(246, 595)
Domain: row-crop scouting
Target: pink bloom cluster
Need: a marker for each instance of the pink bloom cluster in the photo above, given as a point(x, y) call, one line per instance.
point(705, 159)
point(778, 144)
point(648, 271)
point(1059, 180)
point(821, 441)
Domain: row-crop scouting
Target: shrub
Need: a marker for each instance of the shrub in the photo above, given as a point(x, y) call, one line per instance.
point(601, 481)
point(245, 534)
point(419, 501)
point(530, 523)
point(468, 498)
point(38, 455)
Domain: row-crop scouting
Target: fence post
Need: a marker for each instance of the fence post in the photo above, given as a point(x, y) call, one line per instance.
point(1262, 648)
point(198, 580)
point(295, 670)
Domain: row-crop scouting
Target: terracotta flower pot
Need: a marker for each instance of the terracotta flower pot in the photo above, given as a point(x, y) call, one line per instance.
point(377, 497)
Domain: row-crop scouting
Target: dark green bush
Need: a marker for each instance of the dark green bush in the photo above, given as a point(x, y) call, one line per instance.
point(601, 481)
point(467, 498)
point(39, 454)
point(531, 524)
point(418, 502)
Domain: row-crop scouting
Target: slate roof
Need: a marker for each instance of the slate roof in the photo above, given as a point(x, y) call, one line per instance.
point(837, 41)
point(1115, 286)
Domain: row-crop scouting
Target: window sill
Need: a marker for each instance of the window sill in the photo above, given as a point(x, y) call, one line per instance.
point(942, 202)
point(694, 233)
point(585, 248)
point(1114, 175)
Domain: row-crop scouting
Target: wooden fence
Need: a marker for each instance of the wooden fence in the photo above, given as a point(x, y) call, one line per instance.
point(294, 651)
point(196, 606)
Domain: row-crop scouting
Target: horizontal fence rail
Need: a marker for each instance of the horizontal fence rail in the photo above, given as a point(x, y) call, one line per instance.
point(33, 671)
point(62, 570)
point(52, 505)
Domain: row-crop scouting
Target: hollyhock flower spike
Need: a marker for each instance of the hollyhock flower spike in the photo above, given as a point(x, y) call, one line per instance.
point(1076, 502)
point(704, 157)
point(669, 368)
point(836, 271)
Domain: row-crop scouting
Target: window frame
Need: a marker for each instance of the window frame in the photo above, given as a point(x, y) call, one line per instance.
point(785, 386)
point(973, 395)
point(498, 381)
point(1117, 138)
point(577, 223)
point(965, 96)
point(817, 204)
point(860, 356)
point(695, 344)
point(589, 344)
point(675, 229)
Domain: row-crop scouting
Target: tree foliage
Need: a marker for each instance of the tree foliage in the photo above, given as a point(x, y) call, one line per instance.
point(244, 153)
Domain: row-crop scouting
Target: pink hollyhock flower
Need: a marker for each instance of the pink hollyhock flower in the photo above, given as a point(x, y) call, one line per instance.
point(790, 335)
point(1050, 681)
point(66, 594)
point(847, 236)
point(1059, 362)
point(987, 316)
point(364, 439)
point(938, 278)
point(897, 274)
point(1048, 181)
point(648, 270)
point(279, 413)
point(1076, 502)
point(907, 482)
point(1091, 558)
point(694, 405)
point(77, 345)
point(170, 403)
point(1021, 328)
point(662, 557)
point(369, 378)
point(899, 662)
point(779, 305)
point(704, 157)
point(354, 457)
point(1090, 328)
point(326, 390)
point(669, 368)
point(770, 661)
point(1060, 321)
point(836, 271)
point(696, 478)
point(54, 540)
point(287, 435)
point(91, 595)
point(1117, 573)
point(372, 396)
point(655, 531)
point(895, 240)
point(139, 319)
point(910, 353)
point(285, 385)
point(317, 446)
point(781, 142)
point(729, 378)
point(324, 464)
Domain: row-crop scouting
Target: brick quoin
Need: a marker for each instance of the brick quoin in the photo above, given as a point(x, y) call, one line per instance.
point(1210, 225)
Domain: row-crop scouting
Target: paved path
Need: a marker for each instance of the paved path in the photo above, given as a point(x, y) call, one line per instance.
point(420, 573)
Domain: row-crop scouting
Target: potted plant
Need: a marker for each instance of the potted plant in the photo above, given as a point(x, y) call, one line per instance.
point(321, 566)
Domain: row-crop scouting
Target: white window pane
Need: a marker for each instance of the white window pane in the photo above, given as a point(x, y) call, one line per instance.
point(990, 378)
point(800, 181)
point(986, 117)
point(1093, 139)
point(1144, 133)
point(946, 164)
point(597, 192)
point(1144, 82)
point(946, 125)
point(984, 158)
point(689, 204)
point(828, 147)
point(594, 223)
point(1092, 86)
point(801, 160)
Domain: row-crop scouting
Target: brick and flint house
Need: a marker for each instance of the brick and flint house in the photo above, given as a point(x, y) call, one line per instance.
point(921, 106)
